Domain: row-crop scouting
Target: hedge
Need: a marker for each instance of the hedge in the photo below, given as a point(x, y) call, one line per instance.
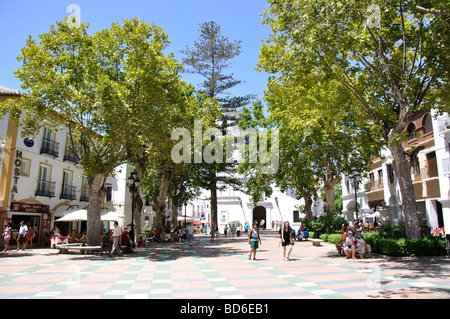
point(427, 246)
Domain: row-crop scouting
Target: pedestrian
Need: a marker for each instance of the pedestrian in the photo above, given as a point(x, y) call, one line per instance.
point(6, 235)
point(246, 227)
point(190, 234)
point(213, 231)
point(117, 233)
point(225, 231)
point(216, 233)
point(287, 240)
point(30, 236)
point(21, 239)
point(238, 230)
point(254, 239)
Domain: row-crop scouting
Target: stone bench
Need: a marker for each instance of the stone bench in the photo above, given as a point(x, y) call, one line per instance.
point(316, 241)
point(64, 249)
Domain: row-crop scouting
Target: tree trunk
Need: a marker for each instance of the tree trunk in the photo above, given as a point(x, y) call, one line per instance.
point(213, 204)
point(329, 183)
point(308, 204)
point(96, 193)
point(174, 215)
point(402, 168)
point(160, 205)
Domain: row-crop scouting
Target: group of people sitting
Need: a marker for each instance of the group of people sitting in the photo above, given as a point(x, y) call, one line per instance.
point(351, 242)
point(125, 243)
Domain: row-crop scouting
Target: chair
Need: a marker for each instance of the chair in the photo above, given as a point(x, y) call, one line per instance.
point(106, 244)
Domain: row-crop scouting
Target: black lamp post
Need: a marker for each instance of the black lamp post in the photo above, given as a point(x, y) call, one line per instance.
point(355, 178)
point(185, 204)
point(133, 184)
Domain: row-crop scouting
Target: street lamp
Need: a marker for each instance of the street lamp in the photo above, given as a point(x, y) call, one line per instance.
point(355, 178)
point(133, 184)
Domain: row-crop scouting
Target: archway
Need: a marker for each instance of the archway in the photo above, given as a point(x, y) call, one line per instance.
point(259, 213)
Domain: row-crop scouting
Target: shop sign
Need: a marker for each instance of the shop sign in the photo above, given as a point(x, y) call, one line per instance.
point(29, 208)
point(16, 173)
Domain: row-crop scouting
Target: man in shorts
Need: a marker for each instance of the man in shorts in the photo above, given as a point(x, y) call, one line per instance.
point(22, 239)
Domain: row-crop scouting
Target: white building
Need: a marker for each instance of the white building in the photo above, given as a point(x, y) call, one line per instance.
point(40, 181)
point(378, 194)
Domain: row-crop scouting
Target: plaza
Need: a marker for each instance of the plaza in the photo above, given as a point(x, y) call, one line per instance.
point(220, 269)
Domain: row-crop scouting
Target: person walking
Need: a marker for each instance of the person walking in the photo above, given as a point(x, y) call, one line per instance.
point(254, 241)
point(287, 240)
point(117, 233)
point(6, 235)
point(30, 236)
point(21, 239)
point(190, 234)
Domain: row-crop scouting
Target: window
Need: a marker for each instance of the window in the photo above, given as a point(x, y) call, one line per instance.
point(427, 125)
point(84, 197)
point(224, 217)
point(25, 167)
point(68, 191)
point(411, 131)
point(45, 186)
point(49, 145)
point(108, 192)
point(296, 216)
point(390, 171)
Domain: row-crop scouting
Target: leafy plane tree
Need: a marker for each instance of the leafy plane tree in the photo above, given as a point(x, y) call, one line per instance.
point(103, 87)
point(391, 56)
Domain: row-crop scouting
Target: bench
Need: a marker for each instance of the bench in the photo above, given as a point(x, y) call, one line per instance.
point(316, 241)
point(64, 249)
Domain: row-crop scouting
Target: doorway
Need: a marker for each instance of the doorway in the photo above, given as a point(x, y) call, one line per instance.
point(259, 213)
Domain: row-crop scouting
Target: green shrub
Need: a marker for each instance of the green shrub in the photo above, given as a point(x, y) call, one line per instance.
point(325, 224)
point(334, 238)
point(427, 246)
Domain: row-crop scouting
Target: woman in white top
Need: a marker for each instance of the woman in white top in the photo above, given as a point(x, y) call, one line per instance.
point(348, 245)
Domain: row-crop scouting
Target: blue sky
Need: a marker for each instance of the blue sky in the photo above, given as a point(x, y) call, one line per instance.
point(180, 19)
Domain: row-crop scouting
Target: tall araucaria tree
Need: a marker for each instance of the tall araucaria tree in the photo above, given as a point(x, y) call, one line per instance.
point(210, 57)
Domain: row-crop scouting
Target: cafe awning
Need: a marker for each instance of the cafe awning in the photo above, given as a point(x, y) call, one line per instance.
point(81, 215)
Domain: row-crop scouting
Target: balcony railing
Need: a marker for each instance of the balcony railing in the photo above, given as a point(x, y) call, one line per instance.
point(429, 172)
point(446, 165)
point(45, 188)
point(50, 147)
point(444, 124)
point(69, 192)
point(84, 197)
point(69, 155)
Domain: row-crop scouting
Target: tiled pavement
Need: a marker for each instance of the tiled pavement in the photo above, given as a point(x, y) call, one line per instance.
point(220, 269)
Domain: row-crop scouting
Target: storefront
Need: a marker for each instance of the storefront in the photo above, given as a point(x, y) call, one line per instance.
point(35, 216)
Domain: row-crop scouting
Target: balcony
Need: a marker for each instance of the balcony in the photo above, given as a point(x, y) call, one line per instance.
point(45, 188)
point(50, 147)
point(446, 166)
point(429, 172)
point(84, 197)
point(69, 156)
point(444, 124)
point(68, 192)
